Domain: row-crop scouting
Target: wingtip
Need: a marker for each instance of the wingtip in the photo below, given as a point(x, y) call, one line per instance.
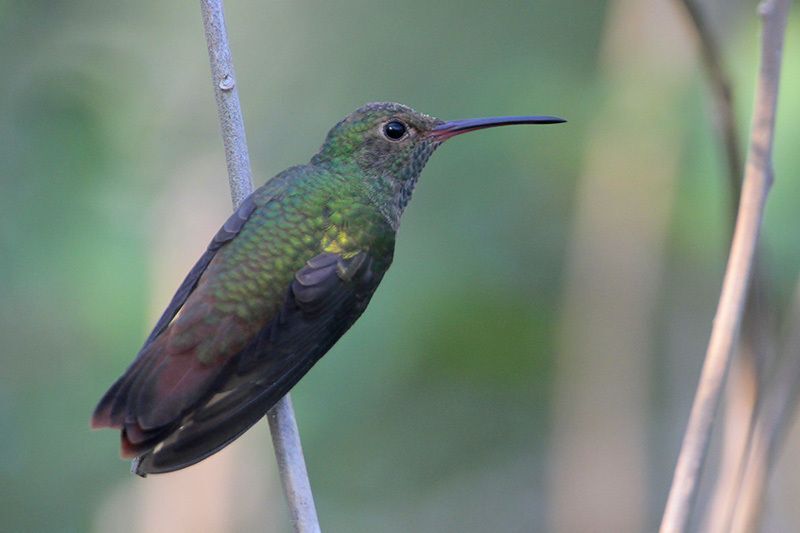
point(101, 419)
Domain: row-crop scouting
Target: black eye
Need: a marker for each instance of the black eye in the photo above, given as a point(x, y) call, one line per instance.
point(394, 130)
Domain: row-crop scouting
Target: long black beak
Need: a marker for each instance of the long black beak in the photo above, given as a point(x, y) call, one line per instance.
point(444, 131)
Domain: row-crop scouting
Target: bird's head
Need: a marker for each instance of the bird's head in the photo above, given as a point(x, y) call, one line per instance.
point(391, 143)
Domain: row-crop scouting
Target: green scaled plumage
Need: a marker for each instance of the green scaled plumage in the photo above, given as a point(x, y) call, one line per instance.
point(282, 280)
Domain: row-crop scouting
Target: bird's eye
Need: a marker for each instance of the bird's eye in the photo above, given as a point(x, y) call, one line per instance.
point(394, 130)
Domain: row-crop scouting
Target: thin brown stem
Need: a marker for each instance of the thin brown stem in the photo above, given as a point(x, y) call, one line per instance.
point(756, 352)
point(285, 435)
point(757, 182)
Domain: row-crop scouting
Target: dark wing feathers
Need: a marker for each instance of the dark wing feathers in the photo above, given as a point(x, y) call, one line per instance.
point(110, 408)
point(223, 400)
point(324, 300)
point(228, 231)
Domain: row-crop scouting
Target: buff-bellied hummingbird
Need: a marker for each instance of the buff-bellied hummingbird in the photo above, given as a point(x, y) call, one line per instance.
point(281, 281)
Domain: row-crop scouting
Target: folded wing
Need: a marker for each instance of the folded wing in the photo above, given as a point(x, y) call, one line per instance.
point(323, 301)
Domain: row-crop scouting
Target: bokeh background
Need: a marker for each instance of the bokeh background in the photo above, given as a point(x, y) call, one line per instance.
point(529, 361)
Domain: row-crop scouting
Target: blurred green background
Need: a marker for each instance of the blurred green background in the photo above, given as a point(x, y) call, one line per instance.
point(529, 360)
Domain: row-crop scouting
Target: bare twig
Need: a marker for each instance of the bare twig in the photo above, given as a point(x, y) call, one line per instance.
point(725, 116)
point(285, 435)
point(755, 351)
point(292, 466)
point(757, 181)
point(227, 96)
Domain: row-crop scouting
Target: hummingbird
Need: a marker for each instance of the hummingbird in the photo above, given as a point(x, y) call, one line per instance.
point(283, 279)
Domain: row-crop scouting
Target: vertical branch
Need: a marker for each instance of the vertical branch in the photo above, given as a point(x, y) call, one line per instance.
point(227, 97)
point(292, 466)
point(285, 435)
point(757, 181)
point(755, 352)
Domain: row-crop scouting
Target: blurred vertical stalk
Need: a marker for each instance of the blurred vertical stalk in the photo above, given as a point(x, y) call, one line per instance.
point(777, 409)
point(614, 268)
point(778, 402)
point(757, 182)
point(755, 350)
point(285, 435)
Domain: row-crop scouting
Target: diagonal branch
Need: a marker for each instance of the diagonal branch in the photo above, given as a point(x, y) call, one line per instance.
point(725, 116)
point(755, 352)
point(285, 435)
point(757, 181)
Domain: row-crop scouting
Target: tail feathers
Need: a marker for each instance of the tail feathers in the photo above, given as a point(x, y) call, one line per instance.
point(101, 418)
point(198, 432)
point(194, 440)
point(150, 402)
point(115, 411)
point(217, 422)
point(116, 408)
point(111, 411)
point(134, 441)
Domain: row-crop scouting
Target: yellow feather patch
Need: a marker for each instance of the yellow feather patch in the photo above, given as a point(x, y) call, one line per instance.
point(340, 244)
